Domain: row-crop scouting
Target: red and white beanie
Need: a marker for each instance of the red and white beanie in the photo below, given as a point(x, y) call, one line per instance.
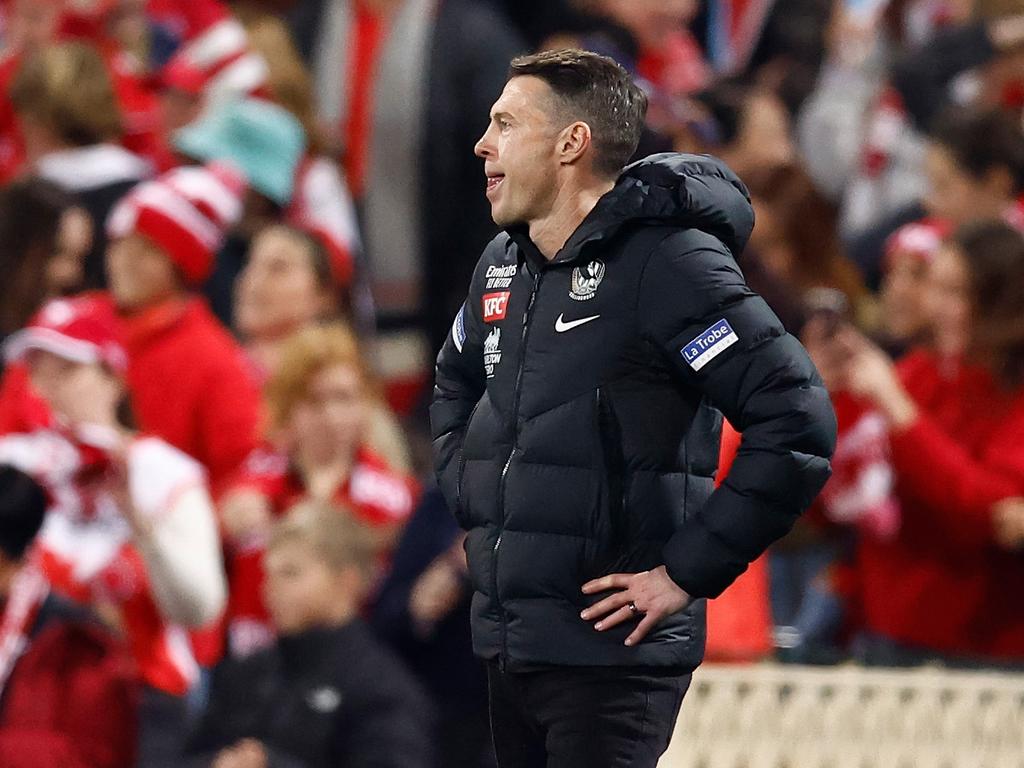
point(186, 212)
point(83, 329)
point(920, 238)
point(218, 64)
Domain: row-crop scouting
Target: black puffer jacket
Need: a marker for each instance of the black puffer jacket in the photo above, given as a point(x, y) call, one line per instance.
point(576, 417)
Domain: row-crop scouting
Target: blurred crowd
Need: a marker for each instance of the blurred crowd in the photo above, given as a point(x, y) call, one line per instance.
point(232, 237)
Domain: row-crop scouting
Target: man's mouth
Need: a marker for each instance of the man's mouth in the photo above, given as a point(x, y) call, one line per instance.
point(494, 181)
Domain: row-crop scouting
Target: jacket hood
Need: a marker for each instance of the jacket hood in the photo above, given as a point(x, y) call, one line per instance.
point(691, 191)
point(696, 191)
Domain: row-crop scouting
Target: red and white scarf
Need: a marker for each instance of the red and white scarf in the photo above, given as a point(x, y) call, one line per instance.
point(85, 548)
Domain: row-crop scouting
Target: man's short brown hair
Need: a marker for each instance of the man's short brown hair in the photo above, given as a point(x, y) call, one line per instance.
point(598, 91)
point(68, 88)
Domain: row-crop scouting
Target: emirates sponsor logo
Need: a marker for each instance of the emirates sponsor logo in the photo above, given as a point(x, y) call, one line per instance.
point(500, 277)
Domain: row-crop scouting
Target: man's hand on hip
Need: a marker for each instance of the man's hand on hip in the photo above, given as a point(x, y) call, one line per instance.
point(649, 596)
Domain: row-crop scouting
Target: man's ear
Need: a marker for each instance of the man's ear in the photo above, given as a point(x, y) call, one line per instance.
point(573, 142)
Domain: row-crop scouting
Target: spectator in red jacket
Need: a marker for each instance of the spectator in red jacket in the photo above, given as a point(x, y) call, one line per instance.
point(187, 378)
point(903, 293)
point(67, 689)
point(940, 583)
point(320, 400)
point(131, 528)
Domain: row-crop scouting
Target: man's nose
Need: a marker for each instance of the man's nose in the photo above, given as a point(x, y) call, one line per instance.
point(483, 148)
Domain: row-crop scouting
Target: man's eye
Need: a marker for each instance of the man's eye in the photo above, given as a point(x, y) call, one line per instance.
point(503, 124)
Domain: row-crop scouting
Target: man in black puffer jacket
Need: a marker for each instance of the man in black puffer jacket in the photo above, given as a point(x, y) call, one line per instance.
point(577, 416)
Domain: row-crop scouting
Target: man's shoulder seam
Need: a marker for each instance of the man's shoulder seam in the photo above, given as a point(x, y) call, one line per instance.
point(499, 244)
point(496, 252)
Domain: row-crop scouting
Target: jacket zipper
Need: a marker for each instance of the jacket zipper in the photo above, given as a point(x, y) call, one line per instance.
point(503, 654)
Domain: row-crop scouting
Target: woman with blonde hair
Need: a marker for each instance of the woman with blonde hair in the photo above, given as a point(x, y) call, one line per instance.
point(320, 401)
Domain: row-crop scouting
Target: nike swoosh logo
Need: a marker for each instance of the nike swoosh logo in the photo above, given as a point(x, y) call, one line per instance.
point(561, 326)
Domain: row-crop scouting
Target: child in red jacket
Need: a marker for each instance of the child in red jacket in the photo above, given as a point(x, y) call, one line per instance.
point(939, 583)
point(130, 527)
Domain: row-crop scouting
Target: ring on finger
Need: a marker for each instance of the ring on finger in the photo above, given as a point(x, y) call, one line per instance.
point(632, 608)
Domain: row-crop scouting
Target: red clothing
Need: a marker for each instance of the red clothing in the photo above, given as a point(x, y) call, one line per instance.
point(373, 491)
point(190, 385)
point(21, 409)
point(12, 145)
point(135, 91)
point(942, 583)
point(323, 206)
point(861, 491)
point(377, 495)
point(739, 620)
point(365, 44)
point(141, 112)
point(71, 700)
point(189, 381)
point(188, 18)
point(86, 548)
point(678, 68)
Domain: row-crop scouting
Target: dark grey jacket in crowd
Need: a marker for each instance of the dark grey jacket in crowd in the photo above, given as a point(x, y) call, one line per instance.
point(577, 416)
point(323, 698)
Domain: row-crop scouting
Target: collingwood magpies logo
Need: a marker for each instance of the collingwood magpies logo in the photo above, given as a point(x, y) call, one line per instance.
point(586, 279)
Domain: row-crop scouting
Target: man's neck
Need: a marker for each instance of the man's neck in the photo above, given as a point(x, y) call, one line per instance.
point(572, 206)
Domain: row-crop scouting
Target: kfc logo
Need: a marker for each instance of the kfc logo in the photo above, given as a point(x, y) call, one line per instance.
point(495, 306)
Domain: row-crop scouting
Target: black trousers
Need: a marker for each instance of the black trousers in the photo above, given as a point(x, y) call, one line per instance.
point(591, 717)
